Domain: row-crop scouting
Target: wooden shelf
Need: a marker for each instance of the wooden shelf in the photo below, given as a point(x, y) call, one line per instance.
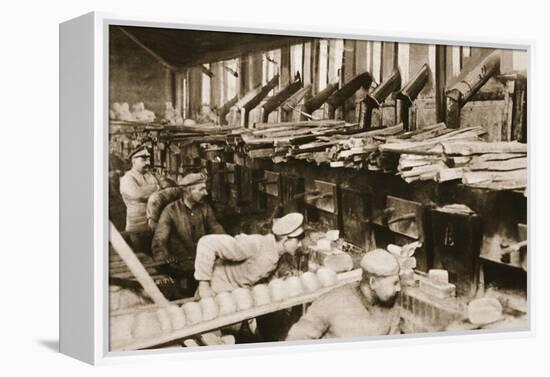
point(343, 279)
point(494, 259)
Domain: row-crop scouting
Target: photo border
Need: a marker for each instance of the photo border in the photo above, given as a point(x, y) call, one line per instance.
point(102, 355)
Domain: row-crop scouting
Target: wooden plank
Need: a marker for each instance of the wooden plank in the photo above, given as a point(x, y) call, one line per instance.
point(465, 149)
point(494, 176)
point(496, 156)
point(450, 174)
point(343, 279)
point(126, 253)
point(513, 164)
point(419, 170)
point(306, 123)
point(465, 133)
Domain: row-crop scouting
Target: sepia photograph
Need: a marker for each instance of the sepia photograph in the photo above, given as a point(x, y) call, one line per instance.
point(280, 188)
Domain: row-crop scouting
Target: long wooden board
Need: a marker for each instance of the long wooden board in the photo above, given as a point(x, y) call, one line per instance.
point(343, 279)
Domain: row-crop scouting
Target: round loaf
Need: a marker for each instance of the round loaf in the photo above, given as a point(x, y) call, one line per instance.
point(327, 277)
point(243, 298)
point(147, 325)
point(278, 290)
point(177, 318)
point(310, 281)
point(294, 286)
point(209, 308)
point(260, 294)
point(226, 303)
point(193, 312)
point(121, 329)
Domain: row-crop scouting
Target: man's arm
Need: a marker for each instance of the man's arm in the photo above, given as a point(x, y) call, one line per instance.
point(212, 224)
point(216, 246)
point(312, 325)
point(162, 235)
point(129, 189)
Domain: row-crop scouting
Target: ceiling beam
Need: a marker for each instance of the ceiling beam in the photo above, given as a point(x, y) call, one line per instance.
point(159, 58)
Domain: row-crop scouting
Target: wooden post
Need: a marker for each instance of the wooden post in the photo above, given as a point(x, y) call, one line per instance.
point(440, 83)
point(243, 75)
point(285, 76)
point(195, 91)
point(519, 112)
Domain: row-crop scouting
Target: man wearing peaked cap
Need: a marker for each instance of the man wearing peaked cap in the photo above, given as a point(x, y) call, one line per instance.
point(191, 179)
point(224, 263)
point(367, 308)
point(136, 186)
point(181, 224)
point(289, 225)
point(140, 151)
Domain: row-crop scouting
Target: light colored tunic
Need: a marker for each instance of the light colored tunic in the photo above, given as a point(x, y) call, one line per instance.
point(231, 262)
point(135, 189)
point(345, 312)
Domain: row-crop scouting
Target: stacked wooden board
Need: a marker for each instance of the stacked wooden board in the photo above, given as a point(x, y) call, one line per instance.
point(281, 140)
point(433, 153)
point(497, 165)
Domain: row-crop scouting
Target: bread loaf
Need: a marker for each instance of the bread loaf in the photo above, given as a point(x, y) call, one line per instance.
point(226, 303)
point(177, 317)
point(243, 298)
point(260, 294)
point(164, 320)
point(209, 308)
point(310, 281)
point(147, 325)
point(278, 290)
point(193, 312)
point(294, 286)
point(327, 277)
point(121, 328)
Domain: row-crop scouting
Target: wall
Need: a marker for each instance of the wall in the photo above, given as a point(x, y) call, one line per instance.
point(135, 75)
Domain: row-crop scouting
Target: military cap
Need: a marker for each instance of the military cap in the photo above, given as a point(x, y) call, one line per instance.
point(191, 179)
point(290, 225)
point(380, 262)
point(140, 151)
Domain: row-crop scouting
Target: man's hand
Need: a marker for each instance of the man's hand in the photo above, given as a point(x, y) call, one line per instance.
point(170, 259)
point(205, 290)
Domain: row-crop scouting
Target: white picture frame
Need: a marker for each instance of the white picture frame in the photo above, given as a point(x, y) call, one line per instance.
point(84, 189)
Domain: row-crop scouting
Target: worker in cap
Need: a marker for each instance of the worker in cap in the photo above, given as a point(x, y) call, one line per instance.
point(180, 226)
point(136, 185)
point(224, 263)
point(140, 151)
point(367, 308)
point(191, 179)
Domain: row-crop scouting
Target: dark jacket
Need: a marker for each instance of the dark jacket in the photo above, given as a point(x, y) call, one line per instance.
point(179, 229)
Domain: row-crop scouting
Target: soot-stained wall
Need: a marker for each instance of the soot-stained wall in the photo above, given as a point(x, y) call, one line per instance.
point(135, 75)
